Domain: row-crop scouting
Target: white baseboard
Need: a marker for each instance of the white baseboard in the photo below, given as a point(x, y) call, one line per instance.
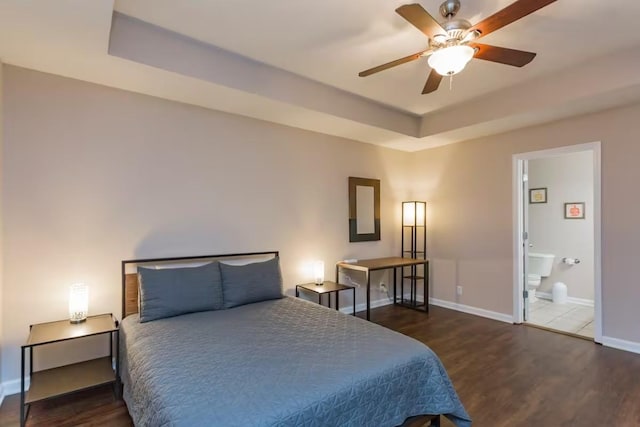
point(507, 318)
point(13, 386)
point(440, 303)
point(572, 300)
point(631, 346)
point(348, 309)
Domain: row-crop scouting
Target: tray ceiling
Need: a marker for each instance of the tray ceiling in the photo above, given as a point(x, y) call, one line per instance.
point(296, 63)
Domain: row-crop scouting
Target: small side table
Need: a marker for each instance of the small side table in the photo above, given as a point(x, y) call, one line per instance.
point(54, 382)
point(328, 288)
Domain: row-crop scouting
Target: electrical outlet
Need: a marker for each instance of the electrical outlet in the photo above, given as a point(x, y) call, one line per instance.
point(458, 290)
point(383, 288)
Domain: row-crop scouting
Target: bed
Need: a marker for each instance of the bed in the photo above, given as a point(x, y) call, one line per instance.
point(275, 362)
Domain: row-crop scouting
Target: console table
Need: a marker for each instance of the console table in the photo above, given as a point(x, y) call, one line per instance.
point(369, 265)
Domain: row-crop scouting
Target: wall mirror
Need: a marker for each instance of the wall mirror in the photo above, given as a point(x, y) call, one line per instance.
point(364, 209)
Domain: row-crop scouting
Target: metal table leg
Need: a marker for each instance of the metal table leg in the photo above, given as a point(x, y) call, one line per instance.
point(354, 300)
point(368, 276)
point(395, 283)
point(118, 382)
point(402, 285)
point(425, 283)
point(22, 396)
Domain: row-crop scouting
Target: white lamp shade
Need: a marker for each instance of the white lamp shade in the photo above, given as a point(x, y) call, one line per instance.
point(450, 60)
point(411, 210)
point(78, 302)
point(318, 272)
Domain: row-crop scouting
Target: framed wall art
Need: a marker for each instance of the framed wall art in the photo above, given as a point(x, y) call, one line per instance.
point(574, 210)
point(537, 195)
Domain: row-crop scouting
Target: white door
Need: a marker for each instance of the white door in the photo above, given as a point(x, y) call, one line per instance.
point(521, 244)
point(525, 238)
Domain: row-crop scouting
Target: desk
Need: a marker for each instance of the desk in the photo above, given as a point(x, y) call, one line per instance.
point(369, 265)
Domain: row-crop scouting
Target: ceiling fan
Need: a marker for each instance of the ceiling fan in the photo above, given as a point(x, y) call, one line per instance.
point(452, 43)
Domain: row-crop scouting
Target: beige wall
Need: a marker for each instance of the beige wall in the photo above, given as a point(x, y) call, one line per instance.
point(567, 178)
point(468, 186)
point(95, 175)
point(1, 229)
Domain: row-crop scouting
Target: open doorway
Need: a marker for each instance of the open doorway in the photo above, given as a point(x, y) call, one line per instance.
point(557, 283)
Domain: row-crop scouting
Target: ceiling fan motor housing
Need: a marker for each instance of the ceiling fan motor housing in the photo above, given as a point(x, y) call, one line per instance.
point(449, 8)
point(456, 28)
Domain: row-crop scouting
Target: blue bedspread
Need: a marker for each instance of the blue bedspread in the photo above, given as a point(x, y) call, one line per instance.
point(283, 362)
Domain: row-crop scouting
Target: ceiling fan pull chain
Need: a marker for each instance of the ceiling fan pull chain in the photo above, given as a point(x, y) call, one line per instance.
point(451, 82)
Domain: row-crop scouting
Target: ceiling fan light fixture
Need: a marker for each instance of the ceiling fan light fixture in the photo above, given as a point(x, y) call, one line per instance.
point(451, 60)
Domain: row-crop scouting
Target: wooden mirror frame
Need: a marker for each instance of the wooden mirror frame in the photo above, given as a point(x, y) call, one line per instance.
point(353, 209)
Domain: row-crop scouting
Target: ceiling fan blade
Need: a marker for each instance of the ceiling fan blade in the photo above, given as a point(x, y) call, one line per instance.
point(391, 64)
point(509, 14)
point(502, 55)
point(432, 82)
point(420, 18)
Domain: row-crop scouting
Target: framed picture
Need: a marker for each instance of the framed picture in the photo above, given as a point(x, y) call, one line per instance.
point(574, 210)
point(538, 195)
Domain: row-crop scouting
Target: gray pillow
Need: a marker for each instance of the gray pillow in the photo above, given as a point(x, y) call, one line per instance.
point(173, 291)
point(245, 284)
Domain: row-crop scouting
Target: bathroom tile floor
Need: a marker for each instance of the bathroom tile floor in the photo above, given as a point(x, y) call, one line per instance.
point(574, 318)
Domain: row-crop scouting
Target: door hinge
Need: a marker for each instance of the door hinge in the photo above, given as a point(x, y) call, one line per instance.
point(525, 177)
point(525, 294)
point(525, 235)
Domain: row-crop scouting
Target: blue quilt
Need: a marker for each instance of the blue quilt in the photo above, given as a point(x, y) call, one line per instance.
point(283, 362)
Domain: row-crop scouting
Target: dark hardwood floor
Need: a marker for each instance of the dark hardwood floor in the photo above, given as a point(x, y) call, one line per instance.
point(95, 407)
point(505, 375)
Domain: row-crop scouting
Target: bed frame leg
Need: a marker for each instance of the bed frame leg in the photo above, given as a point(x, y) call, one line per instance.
point(435, 421)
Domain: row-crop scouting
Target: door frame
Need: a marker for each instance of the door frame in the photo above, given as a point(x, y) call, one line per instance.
point(518, 227)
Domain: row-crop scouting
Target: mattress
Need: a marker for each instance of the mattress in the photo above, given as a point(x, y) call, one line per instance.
point(284, 362)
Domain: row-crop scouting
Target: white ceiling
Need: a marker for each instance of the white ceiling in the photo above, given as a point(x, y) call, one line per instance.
point(332, 40)
point(321, 46)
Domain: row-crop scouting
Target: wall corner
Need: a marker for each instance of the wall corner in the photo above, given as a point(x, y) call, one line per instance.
point(1, 225)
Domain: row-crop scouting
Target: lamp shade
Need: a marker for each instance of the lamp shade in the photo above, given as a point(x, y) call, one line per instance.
point(451, 60)
point(78, 302)
point(318, 272)
point(414, 213)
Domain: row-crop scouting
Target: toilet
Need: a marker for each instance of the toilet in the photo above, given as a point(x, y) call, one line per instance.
point(539, 266)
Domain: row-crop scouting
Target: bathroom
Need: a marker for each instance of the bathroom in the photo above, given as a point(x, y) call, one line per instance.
point(560, 269)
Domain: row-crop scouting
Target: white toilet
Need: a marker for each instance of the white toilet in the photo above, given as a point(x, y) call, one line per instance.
point(539, 266)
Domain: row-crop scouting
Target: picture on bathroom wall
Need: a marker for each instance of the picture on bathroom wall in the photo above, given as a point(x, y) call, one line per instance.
point(574, 210)
point(538, 195)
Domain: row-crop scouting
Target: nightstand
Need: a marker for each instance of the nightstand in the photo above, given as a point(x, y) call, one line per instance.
point(66, 379)
point(328, 288)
